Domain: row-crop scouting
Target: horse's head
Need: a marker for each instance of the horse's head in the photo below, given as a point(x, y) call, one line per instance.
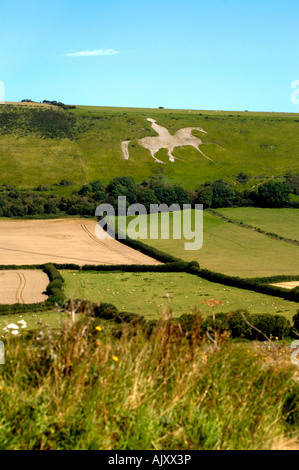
point(198, 129)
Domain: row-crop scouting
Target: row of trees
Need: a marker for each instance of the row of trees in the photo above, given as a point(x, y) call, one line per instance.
point(269, 194)
point(17, 203)
point(60, 104)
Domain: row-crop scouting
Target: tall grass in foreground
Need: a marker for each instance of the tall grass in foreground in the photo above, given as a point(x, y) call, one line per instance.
point(92, 386)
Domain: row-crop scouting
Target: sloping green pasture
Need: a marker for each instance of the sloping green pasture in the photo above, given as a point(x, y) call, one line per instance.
point(230, 249)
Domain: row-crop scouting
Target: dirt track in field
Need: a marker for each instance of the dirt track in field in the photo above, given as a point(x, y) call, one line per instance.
point(22, 286)
point(287, 285)
point(62, 241)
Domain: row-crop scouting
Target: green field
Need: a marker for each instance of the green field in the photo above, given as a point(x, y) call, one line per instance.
point(149, 293)
point(84, 144)
point(34, 320)
point(232, 250)
point(282, 222)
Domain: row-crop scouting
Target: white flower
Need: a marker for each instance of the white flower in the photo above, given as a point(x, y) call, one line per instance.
point(12, 326)
point(22, 323)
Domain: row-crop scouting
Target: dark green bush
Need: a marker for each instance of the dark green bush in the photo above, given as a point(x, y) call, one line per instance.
point(106, 311)
point(67, 266)
point(291, 406)
point(21, 308)
point(271, 325)
point(179, 266)
point(217, 323)
point(149, 327)
point(238, 326)
point(53, 286)
point(296, 321)
point(129, 317)
point(191, 265)
point(52, 272)
point(263, 325)
point(186, 321)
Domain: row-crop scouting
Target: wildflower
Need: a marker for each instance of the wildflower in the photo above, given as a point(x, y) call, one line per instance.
point(99, 328)
point(115, 358)
point(22, 323)
point(12, 328)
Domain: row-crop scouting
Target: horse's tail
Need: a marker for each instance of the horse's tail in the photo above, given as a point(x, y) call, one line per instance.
point(125, 149)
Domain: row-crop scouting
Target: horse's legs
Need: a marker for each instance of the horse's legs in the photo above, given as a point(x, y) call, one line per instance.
point(125, 149)
point(171, 157)
point(153, 152)
point(197, 148)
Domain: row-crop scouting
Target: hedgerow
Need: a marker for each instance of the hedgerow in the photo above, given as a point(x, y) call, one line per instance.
point(240, 324)
point(179, 266)
point(255, 285)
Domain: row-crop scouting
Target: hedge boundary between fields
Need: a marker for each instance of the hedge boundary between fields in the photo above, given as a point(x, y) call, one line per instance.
point(171, 264)
point(240, 324)
point(260, 285)
point(272, 235)
point(54, 290)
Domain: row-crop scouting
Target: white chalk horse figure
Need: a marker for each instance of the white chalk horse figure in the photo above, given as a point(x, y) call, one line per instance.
point(166, 141)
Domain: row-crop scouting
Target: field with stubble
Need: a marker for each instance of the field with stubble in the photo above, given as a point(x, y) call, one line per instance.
point(28, 242)
point(22, 286)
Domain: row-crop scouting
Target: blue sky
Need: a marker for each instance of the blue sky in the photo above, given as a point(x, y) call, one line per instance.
point(192, 54)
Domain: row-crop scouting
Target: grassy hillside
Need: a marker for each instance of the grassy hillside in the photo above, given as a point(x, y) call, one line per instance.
point(283, 222)
point(41, 145)
point(232, 250)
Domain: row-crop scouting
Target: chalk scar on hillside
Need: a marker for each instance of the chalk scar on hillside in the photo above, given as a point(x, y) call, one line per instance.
point(164, 140)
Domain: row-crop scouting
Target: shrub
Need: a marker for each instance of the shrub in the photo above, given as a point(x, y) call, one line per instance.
point(191, 265)
point(129, 317)
point(106, 311)
point(270, 325)
point(52, 272)
point(274, 194)
point(291, 405)
point(218, 322)
point(54, 286)
point(186, 321)
point(238, 326)
point(296, 321)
